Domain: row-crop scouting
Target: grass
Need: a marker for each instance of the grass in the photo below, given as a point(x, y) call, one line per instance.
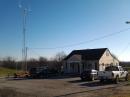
point(6, 71)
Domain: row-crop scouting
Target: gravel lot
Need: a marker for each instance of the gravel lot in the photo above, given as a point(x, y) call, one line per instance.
point(65, 87)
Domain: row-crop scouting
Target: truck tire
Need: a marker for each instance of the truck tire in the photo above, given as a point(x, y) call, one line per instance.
point(126, 78)
point(101, 80)
point(26, 76)
point(116, 79)
point(92, 79)
point(83, 79)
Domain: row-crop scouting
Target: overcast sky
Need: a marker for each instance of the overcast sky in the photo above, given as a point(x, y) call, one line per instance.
point(64, 25)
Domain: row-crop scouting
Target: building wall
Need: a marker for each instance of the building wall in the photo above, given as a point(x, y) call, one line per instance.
point(73, 64)
point(107, 60)
point(90, 64)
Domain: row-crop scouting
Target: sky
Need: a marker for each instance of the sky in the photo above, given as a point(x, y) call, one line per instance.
point(64, 25)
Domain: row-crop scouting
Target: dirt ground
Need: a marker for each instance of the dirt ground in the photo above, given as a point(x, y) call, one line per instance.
point(63, 87)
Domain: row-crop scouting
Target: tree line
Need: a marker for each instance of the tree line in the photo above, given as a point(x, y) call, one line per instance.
point(54, 65)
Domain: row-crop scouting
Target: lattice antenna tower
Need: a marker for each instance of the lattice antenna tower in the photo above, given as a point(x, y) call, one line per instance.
point(25, 12)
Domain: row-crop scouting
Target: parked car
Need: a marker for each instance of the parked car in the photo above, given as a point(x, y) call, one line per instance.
point(38, 72)
point(89, 75)
point(113, 73)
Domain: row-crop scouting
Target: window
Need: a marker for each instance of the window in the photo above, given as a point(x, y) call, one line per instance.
point(117, 64)
point(83, 67)
point(66, 65)
point(103, 64)
point(89, 66)
point(121, 69)
point(107, 53)
point(72, 65)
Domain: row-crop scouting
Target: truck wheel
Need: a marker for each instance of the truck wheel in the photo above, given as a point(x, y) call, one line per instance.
point(101, 80)
point(26, 76)
point(83, 79)
point(92, 79)
point(126, 78)
point(117, 79)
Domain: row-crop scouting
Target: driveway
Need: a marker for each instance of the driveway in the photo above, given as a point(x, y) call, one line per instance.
point(63, 87)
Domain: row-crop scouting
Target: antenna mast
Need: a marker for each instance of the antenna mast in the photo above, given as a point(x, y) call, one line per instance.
point(24, 65)
point(24, 48)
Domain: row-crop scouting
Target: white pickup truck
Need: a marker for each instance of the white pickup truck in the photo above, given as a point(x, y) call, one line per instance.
point(113, 73)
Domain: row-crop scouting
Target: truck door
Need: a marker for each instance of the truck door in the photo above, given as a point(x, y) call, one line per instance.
point(122, 72)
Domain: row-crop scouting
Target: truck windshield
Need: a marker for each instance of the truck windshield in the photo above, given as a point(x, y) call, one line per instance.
point(111, 68)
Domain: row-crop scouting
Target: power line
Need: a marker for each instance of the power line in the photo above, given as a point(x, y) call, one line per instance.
point(37, 54)
point(85, 42)
point(124, 49)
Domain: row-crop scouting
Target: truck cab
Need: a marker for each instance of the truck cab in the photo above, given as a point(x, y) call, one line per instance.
point(38, 72)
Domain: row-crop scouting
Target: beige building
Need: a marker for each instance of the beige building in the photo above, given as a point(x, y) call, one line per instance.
point(79, 60)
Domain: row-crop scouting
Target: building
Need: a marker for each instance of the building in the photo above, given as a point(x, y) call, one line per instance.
point(80, 60)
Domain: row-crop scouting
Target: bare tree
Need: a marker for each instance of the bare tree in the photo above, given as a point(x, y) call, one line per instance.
point(60, 56)
point(32, 63)
point(9, 62)
point(57, 62)
point(43, 61)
